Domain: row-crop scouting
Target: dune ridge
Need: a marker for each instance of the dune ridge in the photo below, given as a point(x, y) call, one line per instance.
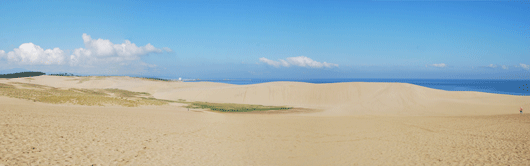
point(358, 98)
point(354, 98)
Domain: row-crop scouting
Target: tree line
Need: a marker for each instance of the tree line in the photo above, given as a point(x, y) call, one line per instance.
point(22, 74)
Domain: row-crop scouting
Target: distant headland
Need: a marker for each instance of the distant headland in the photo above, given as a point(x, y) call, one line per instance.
point(22, 74)
point(37, 73)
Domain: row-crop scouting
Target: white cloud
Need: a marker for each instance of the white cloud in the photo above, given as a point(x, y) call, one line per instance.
point(167, 49)
point(301, 61)
point(439, 65)
point(29, 53)
point(96, 51)
point(101, 50)
point(504, 67)
point(525, 66)
point(101, 47)
point(305, 61)
point(492, 66)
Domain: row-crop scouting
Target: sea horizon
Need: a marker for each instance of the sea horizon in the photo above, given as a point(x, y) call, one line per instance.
point(518, 87)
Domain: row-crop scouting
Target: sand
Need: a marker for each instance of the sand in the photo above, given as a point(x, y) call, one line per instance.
point(358, 124)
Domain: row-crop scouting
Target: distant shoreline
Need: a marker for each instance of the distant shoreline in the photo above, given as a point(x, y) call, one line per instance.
point(495, 86)
point(33, 74)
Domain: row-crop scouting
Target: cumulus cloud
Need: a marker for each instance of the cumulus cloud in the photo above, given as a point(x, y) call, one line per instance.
point(96, 51)
point(301, 61)
point(439, 65)
point(504, 67)
point(525, 66)
point(101, 50)
point(29, 53)
point(492, 66)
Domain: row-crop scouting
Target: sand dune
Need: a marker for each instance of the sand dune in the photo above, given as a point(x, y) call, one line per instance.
point(356, 98)
point(360, 124)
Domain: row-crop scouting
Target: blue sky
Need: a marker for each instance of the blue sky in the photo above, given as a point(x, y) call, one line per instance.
point(269, 39)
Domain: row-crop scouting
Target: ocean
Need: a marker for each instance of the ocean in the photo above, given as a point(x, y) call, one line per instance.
point(510, 87)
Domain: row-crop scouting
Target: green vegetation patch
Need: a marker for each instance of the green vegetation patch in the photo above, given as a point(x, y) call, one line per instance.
point(89, 97)
point(153, 79)
point(126, 93)
point(22, 74)
point(231, 107)
point(63, 74)
point(101, 97)
point(98, 92)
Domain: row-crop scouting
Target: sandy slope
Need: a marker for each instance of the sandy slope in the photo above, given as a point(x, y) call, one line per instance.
point(45, 134)
point(336, 99)
point(358, 98)
point(361, 124)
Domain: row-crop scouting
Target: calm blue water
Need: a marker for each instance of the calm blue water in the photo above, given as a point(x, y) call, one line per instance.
point(511, 87)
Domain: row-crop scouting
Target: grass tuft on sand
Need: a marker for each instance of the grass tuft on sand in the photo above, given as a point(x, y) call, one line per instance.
point(126, 93)
point(89, 97)
point(101, 97)
point(231, 107)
